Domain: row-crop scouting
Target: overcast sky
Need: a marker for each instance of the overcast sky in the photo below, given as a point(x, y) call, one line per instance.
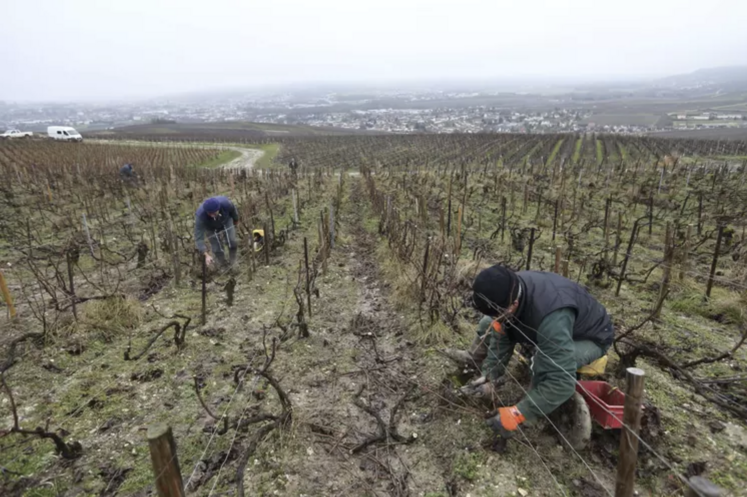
point(100, 49)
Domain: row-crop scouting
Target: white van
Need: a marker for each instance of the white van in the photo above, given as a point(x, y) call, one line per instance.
point(65, 133)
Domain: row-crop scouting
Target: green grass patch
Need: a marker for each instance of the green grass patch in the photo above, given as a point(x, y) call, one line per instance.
point(531, 152)
point(600, 152)
point(110, 318)
point(623, 151)
point(555, 151)
point(729, 309)
point(467, 465)
point(577, 150)
point(267, 161)
point(220, 159)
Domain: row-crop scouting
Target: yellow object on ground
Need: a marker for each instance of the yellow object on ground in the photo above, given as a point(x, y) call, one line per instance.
point(258, 237)
point(596, 368)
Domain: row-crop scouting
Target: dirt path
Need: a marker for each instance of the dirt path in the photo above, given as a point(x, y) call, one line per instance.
point(249, 157)
point(370, 415)
point(350, 384)
point(368, 419)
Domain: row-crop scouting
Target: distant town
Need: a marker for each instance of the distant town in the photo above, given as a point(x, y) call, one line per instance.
point(425, 111)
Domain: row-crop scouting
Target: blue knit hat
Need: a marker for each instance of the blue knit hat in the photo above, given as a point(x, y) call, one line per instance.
point(211, 205)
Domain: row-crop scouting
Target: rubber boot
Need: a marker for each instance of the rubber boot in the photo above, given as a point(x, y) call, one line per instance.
point(572, 420)
point(232, 255)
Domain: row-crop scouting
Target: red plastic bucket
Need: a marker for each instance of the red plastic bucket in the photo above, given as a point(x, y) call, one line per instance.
point(606, 403)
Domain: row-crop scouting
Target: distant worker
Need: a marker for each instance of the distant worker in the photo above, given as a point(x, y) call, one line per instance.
point(293, 165)
point(565, 325)
point(127, 173)
point(217, 218)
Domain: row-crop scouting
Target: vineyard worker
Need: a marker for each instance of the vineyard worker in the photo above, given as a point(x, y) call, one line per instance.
point(567, 327)
point(217, 218)
point(126, 172)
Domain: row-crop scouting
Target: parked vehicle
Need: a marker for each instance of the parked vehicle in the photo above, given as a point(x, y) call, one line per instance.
point(14, 133)
point(65, 133)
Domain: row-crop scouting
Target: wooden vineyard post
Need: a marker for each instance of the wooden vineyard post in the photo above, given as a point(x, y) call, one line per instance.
point(531, 247)
point(441, 223)
point(88, 235)
point(308, 280)
point(558, 253)
point(173, 244)
point(700, 487)
point(627, 257)
point(72, 282)
point(204, 288)
point(458, 248)
point(6, 296)
point(526, 198)
point(512, 198)
point(564, 265)
point(295, 207)
point(555, 219)
point(320, 234)
point(425, 269)
point(503, 218)
point(165, 463)
point(625, 482)
point(684, 259)
point(272, 218)
point(331, 225)
point(252, 256)
point(423, 211)
point(709, 287)
point(668, 256)
point(650, 214)
point(607, 228)
point(267, 243)
point(618, 238)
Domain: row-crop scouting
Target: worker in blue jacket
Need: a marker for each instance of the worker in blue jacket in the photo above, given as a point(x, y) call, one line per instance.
point(127, 173)
point(217, 218)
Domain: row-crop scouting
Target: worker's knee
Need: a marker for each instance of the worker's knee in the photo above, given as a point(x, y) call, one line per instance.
point(587, 352)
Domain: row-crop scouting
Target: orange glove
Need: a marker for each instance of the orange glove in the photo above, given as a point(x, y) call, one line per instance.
point(498, 328)
point(510, 417)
